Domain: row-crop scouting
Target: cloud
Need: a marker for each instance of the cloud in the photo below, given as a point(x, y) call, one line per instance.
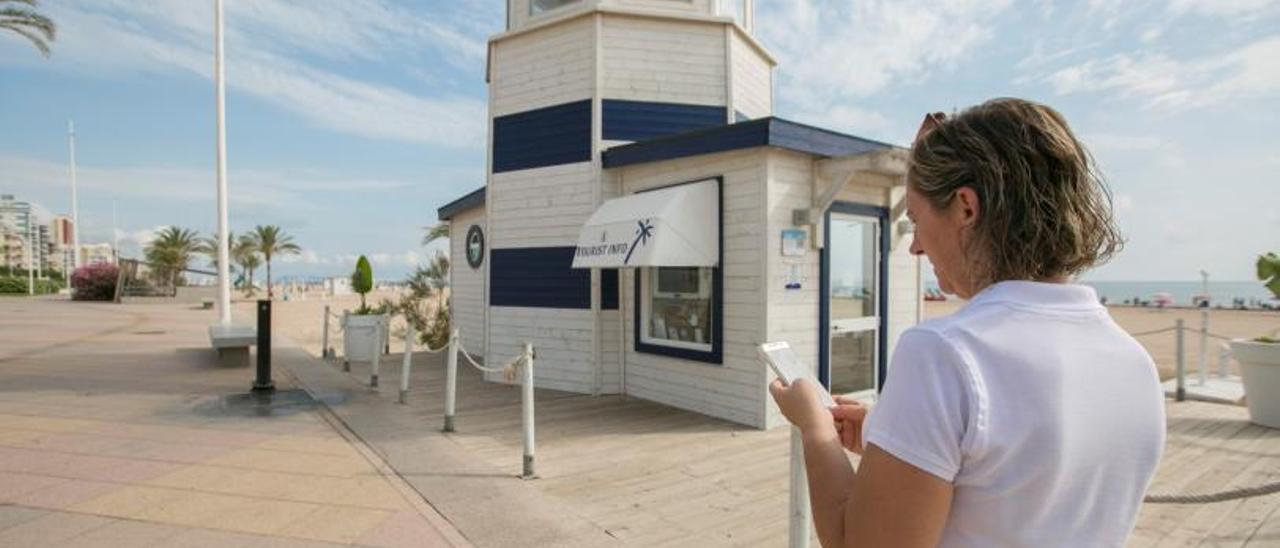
point(1123, 203)
point(838, 53)
point(1230, 8)
point(246, 187)
point(274, 49)
point(1159, 81)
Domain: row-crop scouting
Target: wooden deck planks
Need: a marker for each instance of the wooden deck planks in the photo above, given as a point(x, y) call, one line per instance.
point(653, 475)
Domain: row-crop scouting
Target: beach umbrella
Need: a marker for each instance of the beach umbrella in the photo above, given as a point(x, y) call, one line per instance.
point(1162, 299)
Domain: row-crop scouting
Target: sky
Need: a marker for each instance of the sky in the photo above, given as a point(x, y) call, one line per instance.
point(351, 121)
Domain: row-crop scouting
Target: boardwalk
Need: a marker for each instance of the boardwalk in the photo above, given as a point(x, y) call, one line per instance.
point(653, 475)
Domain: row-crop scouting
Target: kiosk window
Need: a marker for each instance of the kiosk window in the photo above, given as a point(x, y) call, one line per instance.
point(676, 307)
point(543, 6)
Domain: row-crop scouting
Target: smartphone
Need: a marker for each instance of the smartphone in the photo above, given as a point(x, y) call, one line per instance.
point(789, 368)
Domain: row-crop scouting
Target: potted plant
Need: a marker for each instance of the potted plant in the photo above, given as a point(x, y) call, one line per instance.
point(365, 329)
point(1260, 358)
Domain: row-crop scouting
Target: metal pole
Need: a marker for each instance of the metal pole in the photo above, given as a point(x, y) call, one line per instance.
point(377, 354)
point(263, 382)
point(408, 358)
point(75, 205)
point(324, 341)
point(527, 419)
point(1181, 393)
point(800, 511)
point(451, 382)
point(31, 252)
point(224, 266)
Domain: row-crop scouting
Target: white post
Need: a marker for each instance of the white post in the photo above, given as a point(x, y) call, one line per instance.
point(526, 401)
point(346, 360)
point(451, 381)
point(800, 512)
point(39, 254)
point(324, 341)
point(31, 253)
point(1180, 393)
point(115, 233)
point(224, 267)
point(408, 358)
point(377, 355)
point(75, 206)
point(1204, 328)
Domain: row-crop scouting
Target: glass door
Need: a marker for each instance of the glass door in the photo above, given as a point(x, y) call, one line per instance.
point(854, 293)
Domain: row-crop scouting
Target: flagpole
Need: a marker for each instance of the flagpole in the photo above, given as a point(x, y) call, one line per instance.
point(75, 206)
point(224, 274)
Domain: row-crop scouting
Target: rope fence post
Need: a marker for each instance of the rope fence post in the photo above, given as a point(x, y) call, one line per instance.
point(451, 381)
point(527, 412)
point(377, 355)
point(1181, 393)
point(346, 360)
point(1204, 346)
point(324, 343)
point(800, 511)
point(408, 359)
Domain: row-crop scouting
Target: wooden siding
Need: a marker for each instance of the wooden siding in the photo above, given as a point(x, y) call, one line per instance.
point(752, 79)
point(644, 120)
point(549, 136)
point(561, 339)
point(467, 284)
point(551, 66)
point(792, 314)
point(663, 60)
point(543, 207)
point(734, 390)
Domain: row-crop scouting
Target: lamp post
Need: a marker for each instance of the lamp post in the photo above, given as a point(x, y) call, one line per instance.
point(224, 272)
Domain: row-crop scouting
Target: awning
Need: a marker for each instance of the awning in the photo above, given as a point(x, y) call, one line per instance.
point(675, 226)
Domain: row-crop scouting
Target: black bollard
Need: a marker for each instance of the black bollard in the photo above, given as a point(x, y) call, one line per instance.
point(263, 383)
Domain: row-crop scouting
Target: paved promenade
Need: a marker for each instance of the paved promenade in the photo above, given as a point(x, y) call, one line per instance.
point(114, 431)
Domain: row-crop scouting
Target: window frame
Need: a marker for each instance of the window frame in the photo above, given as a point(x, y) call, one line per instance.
point(646, 310)
point(640, 293)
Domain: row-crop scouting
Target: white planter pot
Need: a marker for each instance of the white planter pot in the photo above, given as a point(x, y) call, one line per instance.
point(1260, 367)
point(362, 336)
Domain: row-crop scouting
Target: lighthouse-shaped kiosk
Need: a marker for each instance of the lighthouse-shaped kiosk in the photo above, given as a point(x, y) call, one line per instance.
point(646, 222)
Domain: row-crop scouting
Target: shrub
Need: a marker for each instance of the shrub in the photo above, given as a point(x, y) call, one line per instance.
point(362, 283)
point(95, 282)
point(18, 285)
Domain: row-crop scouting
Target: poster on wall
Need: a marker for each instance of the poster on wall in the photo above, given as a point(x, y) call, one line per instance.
point(793, 240)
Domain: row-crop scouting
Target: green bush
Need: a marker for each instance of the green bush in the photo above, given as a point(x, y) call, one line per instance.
point(362, 283)
point(18, 285)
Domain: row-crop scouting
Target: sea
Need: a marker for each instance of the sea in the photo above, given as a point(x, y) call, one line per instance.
point(1221, 293)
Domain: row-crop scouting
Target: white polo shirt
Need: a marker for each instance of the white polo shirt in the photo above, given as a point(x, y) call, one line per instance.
point(1046, 416)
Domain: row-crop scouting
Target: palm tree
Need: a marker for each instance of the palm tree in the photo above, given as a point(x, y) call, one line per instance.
point(273, 241)
point(170, 252)
point(209, 247)
point(20, 17)
point(244, 251)
point(440, 230)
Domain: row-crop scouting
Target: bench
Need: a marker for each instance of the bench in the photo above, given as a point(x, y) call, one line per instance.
point(232, 343)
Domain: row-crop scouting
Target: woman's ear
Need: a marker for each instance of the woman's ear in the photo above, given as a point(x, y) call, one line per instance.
point(967, 208)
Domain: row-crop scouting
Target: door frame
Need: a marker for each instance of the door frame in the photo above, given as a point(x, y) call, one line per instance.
point(881, 214)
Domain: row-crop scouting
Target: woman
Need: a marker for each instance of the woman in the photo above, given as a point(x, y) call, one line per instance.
point(1027, 418)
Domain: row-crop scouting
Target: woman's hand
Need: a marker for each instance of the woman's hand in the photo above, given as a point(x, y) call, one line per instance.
point(800, 403)
point(848, 415)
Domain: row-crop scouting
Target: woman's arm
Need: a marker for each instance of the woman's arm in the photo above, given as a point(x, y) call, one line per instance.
point(887, 502)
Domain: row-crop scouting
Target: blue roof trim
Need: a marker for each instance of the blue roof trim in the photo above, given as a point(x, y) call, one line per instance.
point(755, 133)
point(473, 199)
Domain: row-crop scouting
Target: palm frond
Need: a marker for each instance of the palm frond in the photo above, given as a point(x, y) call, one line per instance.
point(35, 40)
point(435, 232)
point(28, 18)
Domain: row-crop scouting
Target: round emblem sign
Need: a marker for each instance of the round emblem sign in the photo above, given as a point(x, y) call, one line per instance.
point(475, 246)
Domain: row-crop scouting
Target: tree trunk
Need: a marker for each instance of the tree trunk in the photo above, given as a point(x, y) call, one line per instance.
point(270, 293)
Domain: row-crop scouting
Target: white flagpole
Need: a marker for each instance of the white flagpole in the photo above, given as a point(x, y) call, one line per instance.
point(224, 273)
point(75, 207)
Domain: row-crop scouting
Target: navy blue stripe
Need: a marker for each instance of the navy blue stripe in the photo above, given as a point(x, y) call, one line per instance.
point(642, 120)
point(548, 136)
point(538, 277)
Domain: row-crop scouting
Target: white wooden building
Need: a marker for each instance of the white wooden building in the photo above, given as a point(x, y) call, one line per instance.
point(647, 223)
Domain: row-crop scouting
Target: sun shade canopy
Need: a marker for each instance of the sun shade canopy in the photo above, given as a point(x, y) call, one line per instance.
point(674, 226)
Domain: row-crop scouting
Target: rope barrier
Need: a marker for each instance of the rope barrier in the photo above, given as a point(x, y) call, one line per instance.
point(1153, 332)
point(1221, 496)
point(508, 370)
